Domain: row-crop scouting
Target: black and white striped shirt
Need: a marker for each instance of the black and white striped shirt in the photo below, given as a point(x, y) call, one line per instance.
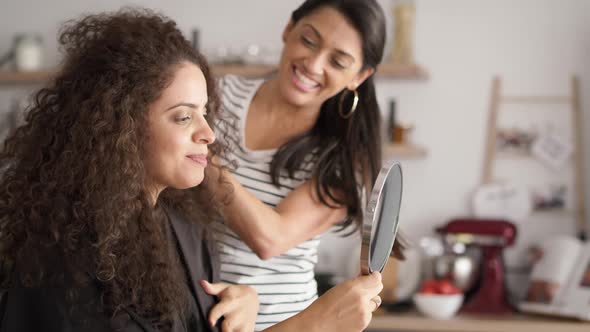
point(285, 283)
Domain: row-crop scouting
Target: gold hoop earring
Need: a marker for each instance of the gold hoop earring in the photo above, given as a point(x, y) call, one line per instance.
point(355, 102)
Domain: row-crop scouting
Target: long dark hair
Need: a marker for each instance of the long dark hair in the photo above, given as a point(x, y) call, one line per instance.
point(347, 151)
point(73, 206)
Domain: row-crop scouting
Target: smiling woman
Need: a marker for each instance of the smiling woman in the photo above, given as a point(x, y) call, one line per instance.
point(176, 154)
point(322, 55)
point(306, 146)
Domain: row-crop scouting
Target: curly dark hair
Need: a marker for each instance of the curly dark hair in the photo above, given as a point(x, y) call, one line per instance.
point(73, 207)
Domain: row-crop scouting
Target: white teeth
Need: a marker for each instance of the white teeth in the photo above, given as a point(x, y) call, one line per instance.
point(306, 81)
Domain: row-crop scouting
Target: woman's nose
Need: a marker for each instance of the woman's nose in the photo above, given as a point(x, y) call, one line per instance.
point(204, 134)
point(314, 64)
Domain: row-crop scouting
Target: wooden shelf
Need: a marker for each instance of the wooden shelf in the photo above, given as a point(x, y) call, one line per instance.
point(555, 213)
point(391, 150)
point(252, 70)
point(387, 71)
point(25, 77)
point(518, 322)
point(514, 154)
point(406, 72)
point(519, 155)
point(14, 77)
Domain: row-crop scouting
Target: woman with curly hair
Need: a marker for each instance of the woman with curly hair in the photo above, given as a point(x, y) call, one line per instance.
point(98, 187)
point(92, 207)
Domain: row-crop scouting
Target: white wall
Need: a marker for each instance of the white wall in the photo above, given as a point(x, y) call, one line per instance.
point(533, 44)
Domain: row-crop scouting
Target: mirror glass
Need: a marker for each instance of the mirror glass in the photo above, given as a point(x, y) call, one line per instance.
point(381, 218)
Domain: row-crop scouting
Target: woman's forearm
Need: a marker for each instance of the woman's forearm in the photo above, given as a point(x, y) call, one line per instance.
point(257, 224)
point(271, 231)
point(307, 320)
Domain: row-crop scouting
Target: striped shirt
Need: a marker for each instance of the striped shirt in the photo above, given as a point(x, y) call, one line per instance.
point(285, 284)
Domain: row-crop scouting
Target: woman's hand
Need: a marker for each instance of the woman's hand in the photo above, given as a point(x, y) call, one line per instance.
point(238, 304)
point(348, 307)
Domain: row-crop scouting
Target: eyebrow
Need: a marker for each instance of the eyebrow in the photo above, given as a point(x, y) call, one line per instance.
point(317, 33)
point(190, 105)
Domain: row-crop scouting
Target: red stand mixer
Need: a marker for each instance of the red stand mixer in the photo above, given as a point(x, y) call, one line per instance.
point(491, 236)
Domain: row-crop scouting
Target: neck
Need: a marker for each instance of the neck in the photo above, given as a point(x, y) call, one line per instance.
point(153, 193)
point(299, 118)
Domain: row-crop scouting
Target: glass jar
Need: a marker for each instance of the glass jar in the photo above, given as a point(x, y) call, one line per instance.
point(28, 52)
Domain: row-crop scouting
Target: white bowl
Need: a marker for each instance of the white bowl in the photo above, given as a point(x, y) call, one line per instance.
point(438, 306)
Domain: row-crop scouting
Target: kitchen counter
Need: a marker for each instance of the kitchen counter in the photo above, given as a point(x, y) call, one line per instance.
point(414, 322)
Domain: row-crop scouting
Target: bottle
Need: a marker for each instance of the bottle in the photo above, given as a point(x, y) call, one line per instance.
point(195, 38)
point(391, 123)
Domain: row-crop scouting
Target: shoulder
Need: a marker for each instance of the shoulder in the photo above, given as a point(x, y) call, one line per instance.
point(237, 91)
point(178, 217)
point(195, 241)
point(239, 82)
point(191, 231)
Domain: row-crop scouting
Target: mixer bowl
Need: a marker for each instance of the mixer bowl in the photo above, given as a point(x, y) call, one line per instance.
point(461, 269)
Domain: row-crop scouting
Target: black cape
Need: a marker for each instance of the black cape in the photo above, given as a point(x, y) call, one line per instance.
point(34, 309)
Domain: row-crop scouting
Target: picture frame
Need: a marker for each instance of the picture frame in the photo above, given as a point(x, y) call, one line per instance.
point(552, 149)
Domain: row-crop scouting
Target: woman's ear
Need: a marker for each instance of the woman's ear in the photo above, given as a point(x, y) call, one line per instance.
point(287, 30)
point(360, 78)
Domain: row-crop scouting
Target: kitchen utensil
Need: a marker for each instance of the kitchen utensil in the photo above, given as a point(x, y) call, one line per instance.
point(492, 236)
point(438, 306)
point(459, 264)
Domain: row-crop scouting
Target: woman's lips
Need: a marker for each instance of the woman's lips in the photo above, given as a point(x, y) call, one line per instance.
point(198, 158)
point(302, 82)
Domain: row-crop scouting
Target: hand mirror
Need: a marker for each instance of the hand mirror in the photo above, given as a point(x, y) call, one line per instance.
point(380, 220)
